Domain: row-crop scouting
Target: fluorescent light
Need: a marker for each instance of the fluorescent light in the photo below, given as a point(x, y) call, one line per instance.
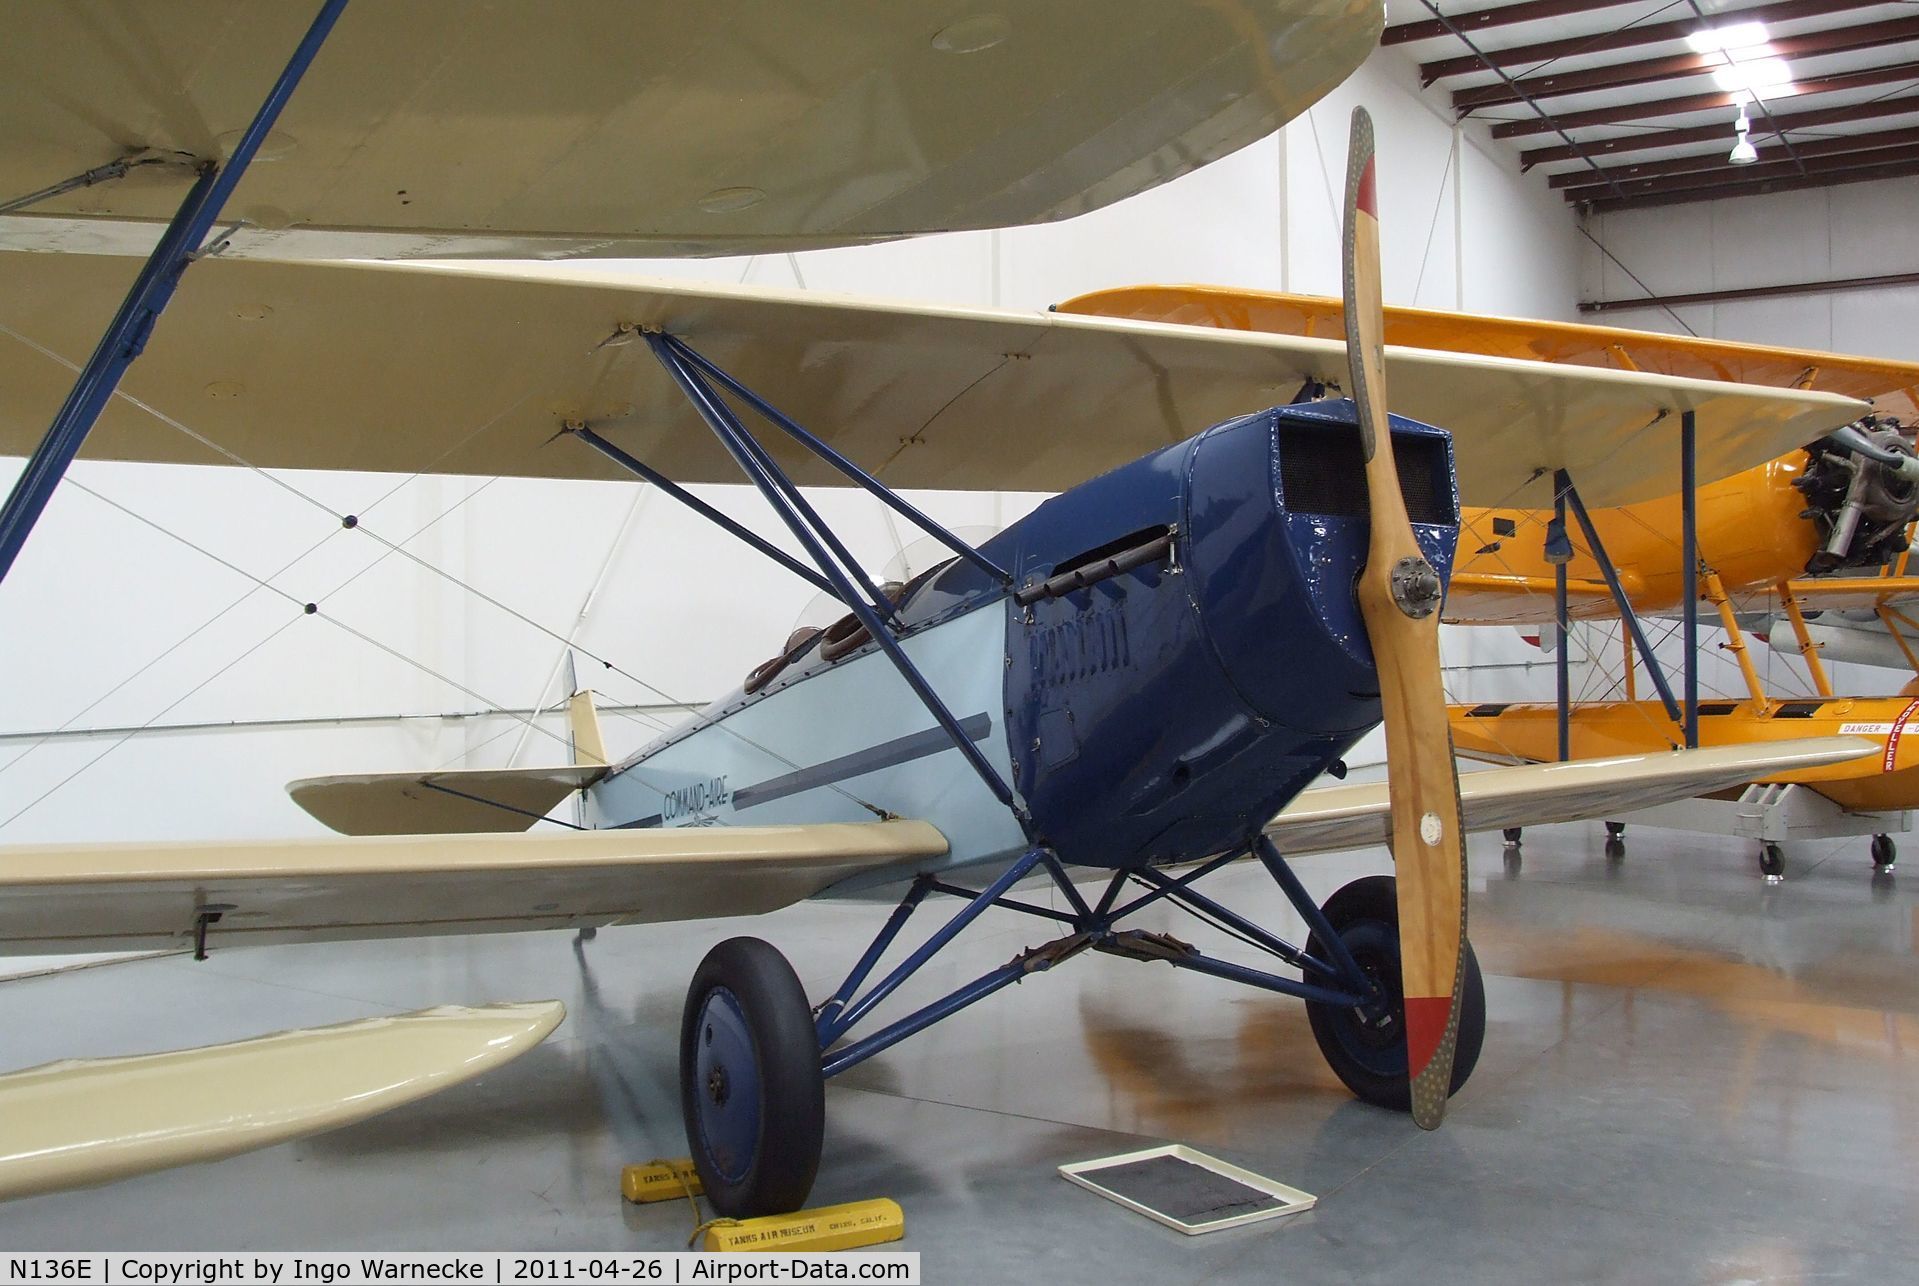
point(1737, 35)
point(1754, 77)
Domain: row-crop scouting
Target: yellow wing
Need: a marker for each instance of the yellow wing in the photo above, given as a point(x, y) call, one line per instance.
point(1893, 386)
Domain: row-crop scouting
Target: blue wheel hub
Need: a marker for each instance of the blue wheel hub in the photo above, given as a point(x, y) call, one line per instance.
point(1375, 1034)
point(727, 1083)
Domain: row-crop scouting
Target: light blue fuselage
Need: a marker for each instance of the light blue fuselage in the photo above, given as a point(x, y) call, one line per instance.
point(1160, 714)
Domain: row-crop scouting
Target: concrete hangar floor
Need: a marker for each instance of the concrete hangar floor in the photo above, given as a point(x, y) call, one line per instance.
point(1687, 1077)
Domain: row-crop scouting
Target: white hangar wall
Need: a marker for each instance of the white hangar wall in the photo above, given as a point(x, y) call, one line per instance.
point(1829, 234)
point(241, 690)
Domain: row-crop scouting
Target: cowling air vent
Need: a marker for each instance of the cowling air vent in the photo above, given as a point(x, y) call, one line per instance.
point(1322, 472)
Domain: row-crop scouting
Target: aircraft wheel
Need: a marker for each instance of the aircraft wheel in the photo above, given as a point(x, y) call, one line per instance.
point(1772, 863)
point(1366, 1048)
point(1885, 854)
point(1511, 834)
point(1616, 831)
point(750, 1084)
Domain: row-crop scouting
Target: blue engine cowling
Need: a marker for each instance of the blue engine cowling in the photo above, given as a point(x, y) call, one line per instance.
point(1168, 712)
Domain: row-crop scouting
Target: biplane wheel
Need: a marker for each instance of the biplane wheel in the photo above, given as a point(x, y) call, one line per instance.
point(1772, 863)
point(750, 1083)
point(1885, 854)
point(1615, 830)
point(1366, 1048)
point(1511, 835)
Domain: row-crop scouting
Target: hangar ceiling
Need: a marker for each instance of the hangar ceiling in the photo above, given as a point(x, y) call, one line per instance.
point(1631, 103)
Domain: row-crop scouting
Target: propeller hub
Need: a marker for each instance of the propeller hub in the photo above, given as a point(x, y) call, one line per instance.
point(1416, 587)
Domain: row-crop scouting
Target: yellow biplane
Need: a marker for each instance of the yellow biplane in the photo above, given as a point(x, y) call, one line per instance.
point(1819, 529)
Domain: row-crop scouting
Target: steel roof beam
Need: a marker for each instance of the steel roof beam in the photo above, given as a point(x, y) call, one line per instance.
point(1716, 159)
point(1792, 182)
point(1633, 37)
point(1872, 35)
point(1708, 182)
point(1625, 112)
point(1480, 20)
point(1749, 292)
point(1654, 138)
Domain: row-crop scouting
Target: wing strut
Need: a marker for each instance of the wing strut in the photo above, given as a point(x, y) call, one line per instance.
point(152, 289)
point(872, 608)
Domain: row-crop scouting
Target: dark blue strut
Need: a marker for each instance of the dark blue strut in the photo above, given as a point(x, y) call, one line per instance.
point(127, 335)
point(838, 572)
point(1339, 981)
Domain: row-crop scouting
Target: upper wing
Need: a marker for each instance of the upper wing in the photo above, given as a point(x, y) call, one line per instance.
point(1336, 817)
point(1894, 386)
point(70, 1124)
point(463, 369)
point(117, 897)
point(624, 129)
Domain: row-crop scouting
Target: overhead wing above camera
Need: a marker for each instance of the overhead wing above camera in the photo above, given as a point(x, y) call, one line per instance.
point(610, 128)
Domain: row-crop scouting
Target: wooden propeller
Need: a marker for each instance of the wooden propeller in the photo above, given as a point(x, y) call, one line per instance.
point(1399, 595)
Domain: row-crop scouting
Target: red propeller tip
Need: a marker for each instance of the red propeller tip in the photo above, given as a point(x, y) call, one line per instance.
point(1426, 1018)
point(1368, 198)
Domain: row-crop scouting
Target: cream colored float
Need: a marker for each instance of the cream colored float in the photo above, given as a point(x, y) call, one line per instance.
point(86, 1121)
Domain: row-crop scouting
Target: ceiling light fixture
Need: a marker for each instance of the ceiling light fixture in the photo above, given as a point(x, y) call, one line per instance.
point(1738, 35)
point(1743, 152)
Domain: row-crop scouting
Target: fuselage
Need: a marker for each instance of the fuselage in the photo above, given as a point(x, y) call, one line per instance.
point(1157, 714)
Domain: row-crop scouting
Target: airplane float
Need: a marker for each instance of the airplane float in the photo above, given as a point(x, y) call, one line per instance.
point(1822, 529)
point(1137, 681)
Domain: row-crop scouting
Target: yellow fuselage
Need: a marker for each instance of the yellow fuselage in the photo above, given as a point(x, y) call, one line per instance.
point(1750, 533)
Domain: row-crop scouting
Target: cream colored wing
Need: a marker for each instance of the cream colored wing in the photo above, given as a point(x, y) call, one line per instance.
point(467, 801)
point(1359, 816)
point(82, 1122)
point(469, 369)
point(116, 897)
point(608, 127)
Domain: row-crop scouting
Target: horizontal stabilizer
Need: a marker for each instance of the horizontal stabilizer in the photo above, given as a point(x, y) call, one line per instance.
point(121, 897)
point(88, 1121)
point(1358, 816)
point(467, 801)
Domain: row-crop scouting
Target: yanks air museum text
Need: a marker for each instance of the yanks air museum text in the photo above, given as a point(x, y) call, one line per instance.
point(901, 1268)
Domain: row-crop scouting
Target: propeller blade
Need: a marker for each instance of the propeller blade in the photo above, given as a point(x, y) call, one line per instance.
point(1399, 595)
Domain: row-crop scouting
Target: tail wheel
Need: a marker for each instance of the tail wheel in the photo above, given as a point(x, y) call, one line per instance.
point(1366, 1048)
point(750, 1083)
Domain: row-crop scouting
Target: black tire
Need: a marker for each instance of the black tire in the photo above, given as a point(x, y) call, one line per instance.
point(1772, 861)
point(1369, 1054)
point(1884, 853)
point(750, 1083)
point(1511, 835)
point(1614, 830)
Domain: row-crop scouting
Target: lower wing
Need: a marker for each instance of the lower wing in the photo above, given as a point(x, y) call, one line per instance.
point(1336, 817)
point(77, 1123)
